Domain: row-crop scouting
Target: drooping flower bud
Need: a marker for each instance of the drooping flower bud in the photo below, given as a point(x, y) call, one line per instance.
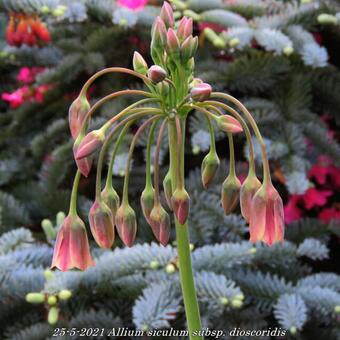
point(77, 114)
point(180, 202)
point(172, 45)
point(102, 228)
point(266, 219)
point(156, 74)
point(247, 192)
point(84, 165)
point(71, 248)
point(126, 224)
point(201, 92)
point(111, 199)
point(147, 201)
point(189, 48)
point(139, 64)
point(230, 193)
point(229, 124)
point(167, 187)
point(35, 298)
point(209, 167)
point(184, 29)
point(167, 15)
point(160, 224)
point(90, 143)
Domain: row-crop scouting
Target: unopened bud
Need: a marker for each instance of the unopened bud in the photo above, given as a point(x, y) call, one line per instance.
point(147, 201)
point(64, 294)
point(288, 50)
point(327, 19)
point(252, 250)
point(126, 224)
point(167, 187)
point(209, 167)
point(158, 34)
point(184, 29)
point(167, 15)
point(195, 82)
point(53, 315)
point(170, 268)
point(48, 274)
point(234, 42)
point(154, 264)
point(224, 301)
point(90, 144)
point(229, 124)
point(201, 92)
point(156, 74)
point(239, 296)
point(236, 303)
point(110, 197)
point(247, 192)
point(48, 229)
point(139, 64)
point(163, 88)
point(35, 298)
point(180, 202)
point(84, 165)
point(52, 300)
point(172, 45)
point(77, 114)
point(230, 193)
point(189, 48)
point(102, 228)
point(60, 218)
point(160, 223)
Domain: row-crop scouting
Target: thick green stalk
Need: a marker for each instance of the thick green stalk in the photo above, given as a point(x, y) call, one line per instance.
point(183, 246)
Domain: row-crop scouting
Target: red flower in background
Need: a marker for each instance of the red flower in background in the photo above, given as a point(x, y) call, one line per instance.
point(134, 5)
point(328, 214)
point(291, 210)
point(314, 197)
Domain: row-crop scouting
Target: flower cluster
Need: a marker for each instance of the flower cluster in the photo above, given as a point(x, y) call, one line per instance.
point(173, 92)
point(26, 29)
point(327, 180)
point(28, 92)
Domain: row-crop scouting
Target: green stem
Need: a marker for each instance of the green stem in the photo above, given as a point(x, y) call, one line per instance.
point(148, 180)
point(266, 170)
point(231, 155)
point(183, 247)
point(73, 203)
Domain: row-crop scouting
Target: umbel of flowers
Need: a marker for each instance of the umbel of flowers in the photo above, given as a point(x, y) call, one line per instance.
point(173, 92)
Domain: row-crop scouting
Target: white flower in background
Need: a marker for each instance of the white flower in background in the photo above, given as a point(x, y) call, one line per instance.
point(297, 182)
point(119, 165)
point(200, 141)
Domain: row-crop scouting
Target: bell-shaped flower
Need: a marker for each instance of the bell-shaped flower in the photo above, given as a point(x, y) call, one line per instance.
point(90, 144)
point(229, 124)
point(180, 202)
point(230, 193)
point(266, 219)
point(248, 189)
point(126, 224)
point(71, 248)
point(209, 167)
point(84, 165)
point(147, 201)
point(160, 224)
point(102, 228)
point(110, 197)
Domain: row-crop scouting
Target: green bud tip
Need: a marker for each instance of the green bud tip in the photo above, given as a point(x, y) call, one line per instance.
point(236, 303)
point(326, 19)
point(154, 264)
point(60, 218)
point(46, 224)
point(35, 298)
point(293, 330)
point(44, 9)
point(191, 246)
point(52, 300)
point(145, 328)
point(59, 11)
point(48, 274)
point(234, 42)
point(64, 294)
point(196, 150)
point(288, 50)
point(252, 250)
point(337, 309)
point(170, 268)
point(53, 315)
point(239, 296)
point(224, 301)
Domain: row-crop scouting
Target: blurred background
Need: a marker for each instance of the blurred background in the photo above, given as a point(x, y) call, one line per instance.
point(281, 58)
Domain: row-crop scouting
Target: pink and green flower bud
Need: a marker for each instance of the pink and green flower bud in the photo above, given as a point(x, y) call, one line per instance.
point(71, 248)
point(189, 48)
point(110, 197)
point(195, 82)
point(147, 201)
point(160, 224)
point(185, 28)
point(248, 189)
point(139, 64)
point(229, 124)
point(266, 219)
point(167, 15)
point(84, 165)
point(126, 224)
point(201, 92)
point(230, 193)
point(172, 45)
point(102, 227)
point(90, 144)
point(35, 298)
point(163, 88)
point(77, 114)
point(167, 187)
point(159, 35)
point(180, 202)
point(156, 74)
point(209, 167)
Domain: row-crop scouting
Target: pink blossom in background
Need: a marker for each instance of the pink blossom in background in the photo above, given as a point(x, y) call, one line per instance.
point(27, 75)
point(16, 98)
point(328, 214)
point(291, 210)
point(314, 197)
point(134, 5)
